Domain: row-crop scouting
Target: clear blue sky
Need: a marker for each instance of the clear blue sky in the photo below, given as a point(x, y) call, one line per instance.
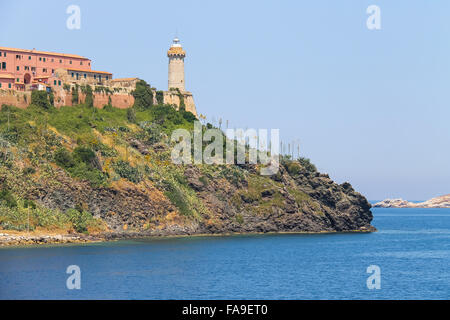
point(369, 107)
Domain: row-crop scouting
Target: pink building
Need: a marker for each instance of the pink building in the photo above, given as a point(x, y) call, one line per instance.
point(20, 68)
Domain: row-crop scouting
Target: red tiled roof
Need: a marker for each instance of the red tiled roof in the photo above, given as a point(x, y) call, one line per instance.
point(88, 71)
point(42, 52)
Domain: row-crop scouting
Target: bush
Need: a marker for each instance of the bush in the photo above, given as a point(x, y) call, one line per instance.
point(306, 163)
point(64, 159)
point(89, 100)
point(28, 170)
point(40, 99)
point(125, 170)
point(160, 97)
point(75, 97)
point(84, 154)
point(7, 197)
point(143, 95)
point(189, 116)
point(293, 168)
point(79, 220)
point(82, 164)
point(131, 115)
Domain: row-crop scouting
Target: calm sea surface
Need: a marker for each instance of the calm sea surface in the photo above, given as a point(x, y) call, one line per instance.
point(412, 249)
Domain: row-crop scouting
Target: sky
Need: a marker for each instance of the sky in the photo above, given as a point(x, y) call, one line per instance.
point(368, 106)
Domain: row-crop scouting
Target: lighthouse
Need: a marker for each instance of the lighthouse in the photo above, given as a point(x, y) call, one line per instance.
point(176, 56)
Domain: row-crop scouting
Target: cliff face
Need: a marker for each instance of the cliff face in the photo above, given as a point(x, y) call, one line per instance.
point(438, 202)
point(306, 202)
point(123, 176)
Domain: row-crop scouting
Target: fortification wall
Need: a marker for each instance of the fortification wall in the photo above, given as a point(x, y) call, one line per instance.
point(122, 100)
point(172, 97)
point(118, 100)
point(20, 99)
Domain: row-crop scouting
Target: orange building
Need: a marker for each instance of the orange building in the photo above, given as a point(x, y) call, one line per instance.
point(20, 69)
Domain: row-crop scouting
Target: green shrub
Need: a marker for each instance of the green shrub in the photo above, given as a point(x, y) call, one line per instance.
point(178, 199)
point(75, 97)
point(125, 170)
point(29, 204)
point(189, 116)
point(293, 168)
point(89, 100)
point(160, 97)
point(79, 220)
point(64, 158)
point(7, 197)
point(28, 170)
point(306, 163)
point(131, 115)
point(84, 154)
point(40, 99)
point(143, 95)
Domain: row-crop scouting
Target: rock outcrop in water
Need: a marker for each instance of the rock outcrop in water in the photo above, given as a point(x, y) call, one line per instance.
point(438, 202)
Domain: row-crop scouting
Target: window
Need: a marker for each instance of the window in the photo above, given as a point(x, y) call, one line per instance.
point(3, 65)
point(18, 68)
point(70, 61)
point(53, 60)
point(33, 69)
point(44, 70)
point(17, 80)
point(29, 57)
point(54, 82)
point(27, 68)
point(95, 76)
point(59, 82)
point(72, 74)
point(85, 75)
point(4, 54)
point(60, 60)
point(106, 77)
point(0, 84)
point(44, 59)
point(17, 56)
point(81, 63)
point(99, 78)
point(9, 85)
point(40, 58)
point(53, 70)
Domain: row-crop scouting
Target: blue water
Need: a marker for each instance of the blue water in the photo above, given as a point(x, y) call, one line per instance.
point(412, 249)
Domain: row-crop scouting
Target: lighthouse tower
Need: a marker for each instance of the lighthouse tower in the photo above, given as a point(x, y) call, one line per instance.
point(176, 56)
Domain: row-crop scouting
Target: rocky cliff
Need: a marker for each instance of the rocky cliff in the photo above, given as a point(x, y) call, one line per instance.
point(102, 172)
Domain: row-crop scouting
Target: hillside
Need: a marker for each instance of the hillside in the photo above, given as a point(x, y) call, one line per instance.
point(438, 202)
point(107, 172)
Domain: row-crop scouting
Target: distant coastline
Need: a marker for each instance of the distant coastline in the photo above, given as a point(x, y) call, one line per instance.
point(438, 202)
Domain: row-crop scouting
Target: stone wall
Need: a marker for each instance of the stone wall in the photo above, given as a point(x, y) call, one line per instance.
point(172, 97)
point(20, 99)
point(118, 100)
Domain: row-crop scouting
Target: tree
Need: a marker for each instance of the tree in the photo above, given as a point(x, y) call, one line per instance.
point(89, 100)
point(40, 99)
point(131, 115)
point(143, 95)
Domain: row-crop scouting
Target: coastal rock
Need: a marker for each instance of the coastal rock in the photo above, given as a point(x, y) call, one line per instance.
point(438, 202)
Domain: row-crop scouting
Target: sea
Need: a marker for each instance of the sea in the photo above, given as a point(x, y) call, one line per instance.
point(407, 258)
